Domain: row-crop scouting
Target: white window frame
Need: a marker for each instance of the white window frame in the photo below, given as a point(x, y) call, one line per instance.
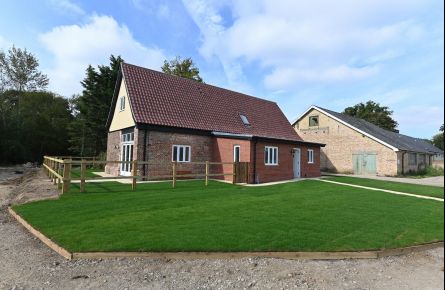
point(122, 103)
point(234, 153)
point(185, 148)
point(272, 151)
point(310, 156)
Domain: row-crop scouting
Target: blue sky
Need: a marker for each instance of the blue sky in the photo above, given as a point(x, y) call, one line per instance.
point(296, 53)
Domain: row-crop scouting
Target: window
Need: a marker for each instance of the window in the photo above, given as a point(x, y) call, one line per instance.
point(313, 121)
point(245, 120)
point(412, 159)
point(271, 155)
point(310, 156)
point(181, 153)
point(236, 153)
point(128, 137)
point(122, 107)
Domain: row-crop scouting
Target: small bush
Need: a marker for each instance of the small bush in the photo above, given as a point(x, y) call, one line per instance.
point(428, 171)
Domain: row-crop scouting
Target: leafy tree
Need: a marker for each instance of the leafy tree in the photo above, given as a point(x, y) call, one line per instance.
point(438, 140)
point(33, 129)
point(182, 68)
point(88, 134)
point(375, 114)
point(19, 71)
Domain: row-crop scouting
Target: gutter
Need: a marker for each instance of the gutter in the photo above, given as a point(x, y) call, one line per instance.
point(144, 154)
point(254, 161)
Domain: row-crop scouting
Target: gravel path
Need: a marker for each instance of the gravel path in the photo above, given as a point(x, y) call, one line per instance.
point(26, 263)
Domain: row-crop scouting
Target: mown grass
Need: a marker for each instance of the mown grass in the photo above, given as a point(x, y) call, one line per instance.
point(434, 191)
point(301, 216)
point(75, 172)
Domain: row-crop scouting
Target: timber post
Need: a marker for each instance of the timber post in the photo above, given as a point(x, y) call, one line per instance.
point(83, 169)
point(174, 174)
point(66, 175)
point(134, 173)
point(207, 173)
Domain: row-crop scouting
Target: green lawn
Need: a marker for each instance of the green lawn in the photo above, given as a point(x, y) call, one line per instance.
point(427, 190)
point(75, 172)
point(302, 216)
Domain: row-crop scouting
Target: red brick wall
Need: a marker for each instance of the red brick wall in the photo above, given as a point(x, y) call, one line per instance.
point(223, 152)
point(113, 152)
point(284, 170)
point(207, 148)
point(159, 152)
point(310, 170)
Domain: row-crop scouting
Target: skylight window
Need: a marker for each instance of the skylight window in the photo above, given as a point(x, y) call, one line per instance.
point(244, 119)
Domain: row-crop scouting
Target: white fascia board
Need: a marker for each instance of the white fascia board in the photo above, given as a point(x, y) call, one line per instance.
point(356, 129)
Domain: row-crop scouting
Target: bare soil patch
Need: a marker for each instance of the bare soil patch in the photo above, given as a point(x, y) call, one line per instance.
point(26, 263)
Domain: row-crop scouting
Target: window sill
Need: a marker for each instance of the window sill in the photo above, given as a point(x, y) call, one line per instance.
point(271, 164)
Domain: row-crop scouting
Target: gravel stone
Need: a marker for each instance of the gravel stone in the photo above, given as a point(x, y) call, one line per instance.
point(26, 263)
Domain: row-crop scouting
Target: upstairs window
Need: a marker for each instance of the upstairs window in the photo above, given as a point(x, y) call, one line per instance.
point(310, 156)
point(314, 121)
point(244, 120)
point(181, 153)
point(122, 103)
point(128, 137)
point(271, 155)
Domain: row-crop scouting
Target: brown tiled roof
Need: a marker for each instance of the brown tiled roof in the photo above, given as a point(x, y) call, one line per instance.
point(165, 100)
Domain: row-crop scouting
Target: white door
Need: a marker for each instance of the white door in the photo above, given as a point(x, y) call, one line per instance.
point(297, 162)
point(127, 154)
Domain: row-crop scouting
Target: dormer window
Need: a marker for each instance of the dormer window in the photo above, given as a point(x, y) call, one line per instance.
point(313, 121)
point(244, 120)
point(122, 103)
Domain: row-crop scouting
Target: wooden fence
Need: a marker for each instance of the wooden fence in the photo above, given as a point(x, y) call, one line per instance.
point(59, 170)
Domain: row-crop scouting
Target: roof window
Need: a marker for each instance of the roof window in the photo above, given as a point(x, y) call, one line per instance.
point(244, 119)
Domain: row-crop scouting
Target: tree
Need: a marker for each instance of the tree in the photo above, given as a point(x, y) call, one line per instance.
point(19, 71)
point(182, 68)
point(375, 114)
point(88, 133)
point(36, 128)
point(438, 140)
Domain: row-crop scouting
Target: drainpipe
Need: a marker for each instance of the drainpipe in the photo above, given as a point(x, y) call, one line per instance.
point(144, 154)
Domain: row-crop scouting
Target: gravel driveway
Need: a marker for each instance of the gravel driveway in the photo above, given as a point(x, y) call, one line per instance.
point(26, 263)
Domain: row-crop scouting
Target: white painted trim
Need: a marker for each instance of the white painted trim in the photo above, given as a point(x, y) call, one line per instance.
point(346, 124)
point(313, 156)
point(271, 147)
point(234, 152)
point(185, 147)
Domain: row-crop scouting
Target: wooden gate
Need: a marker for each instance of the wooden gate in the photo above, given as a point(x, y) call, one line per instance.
point(241, 172)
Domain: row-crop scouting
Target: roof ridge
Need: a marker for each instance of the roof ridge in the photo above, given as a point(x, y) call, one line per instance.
point(196, 82)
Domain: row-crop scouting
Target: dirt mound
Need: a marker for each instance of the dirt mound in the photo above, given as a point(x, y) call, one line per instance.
point(32, 185)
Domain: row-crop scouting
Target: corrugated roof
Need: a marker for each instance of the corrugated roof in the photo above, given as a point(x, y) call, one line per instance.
point(165, 100)
point(399, 141)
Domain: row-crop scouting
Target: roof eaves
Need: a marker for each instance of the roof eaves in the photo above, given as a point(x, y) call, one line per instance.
point(356, 129)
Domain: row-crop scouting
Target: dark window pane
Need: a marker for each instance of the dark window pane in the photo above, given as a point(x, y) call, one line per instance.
point(175, 153)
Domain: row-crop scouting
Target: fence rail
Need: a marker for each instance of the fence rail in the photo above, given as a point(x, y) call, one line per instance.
point(59, 170)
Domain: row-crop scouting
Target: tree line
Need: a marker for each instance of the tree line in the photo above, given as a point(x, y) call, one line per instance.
point(36, 122)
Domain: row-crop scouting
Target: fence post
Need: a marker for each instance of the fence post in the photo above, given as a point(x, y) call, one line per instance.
point(56, 168)
point(66, 175)
point(234, 173)
point(174, 174)
point(134, 173)
point(83, 169)
point(207, 173)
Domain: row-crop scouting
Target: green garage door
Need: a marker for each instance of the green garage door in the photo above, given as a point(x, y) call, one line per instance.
point(365, 163)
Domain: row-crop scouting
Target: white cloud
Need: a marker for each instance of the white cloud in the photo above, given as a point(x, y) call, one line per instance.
point(68, 6)
point(74, 47)
point(317, 41)
point(4, 44)
point(288, 77)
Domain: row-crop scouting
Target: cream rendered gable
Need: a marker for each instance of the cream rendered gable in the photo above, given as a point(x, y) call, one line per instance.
point(122, 119)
